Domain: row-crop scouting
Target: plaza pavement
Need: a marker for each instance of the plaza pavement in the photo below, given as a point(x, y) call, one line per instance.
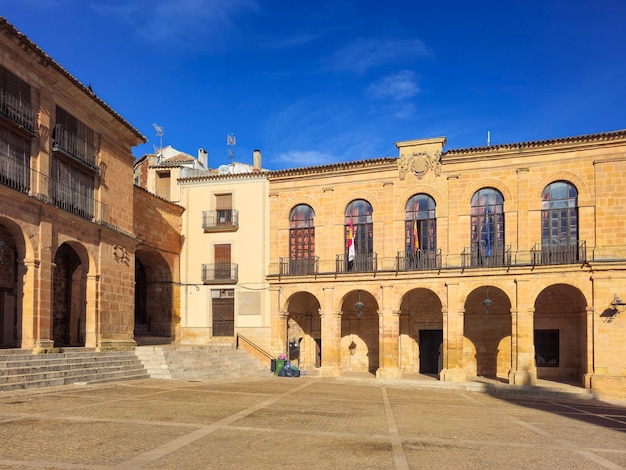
point(305, 423)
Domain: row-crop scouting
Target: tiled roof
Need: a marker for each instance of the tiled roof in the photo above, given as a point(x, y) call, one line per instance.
point(619, 134)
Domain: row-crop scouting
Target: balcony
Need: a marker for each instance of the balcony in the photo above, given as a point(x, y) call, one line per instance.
point(480, 258)
point(220, 273)
point(39, 186)
point(18, 112)
point(419, 261)
point(74, 147)
point(221, 220)
point(299, 267)
point(572, 253)
point(360, 264)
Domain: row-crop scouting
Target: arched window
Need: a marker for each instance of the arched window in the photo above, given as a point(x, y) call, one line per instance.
point(559, 223)
point(420, 232)
point(301, 240)
point(359, 233)
point(487, 222)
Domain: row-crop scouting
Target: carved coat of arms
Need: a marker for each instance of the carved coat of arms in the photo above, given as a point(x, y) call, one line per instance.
point(419, 163)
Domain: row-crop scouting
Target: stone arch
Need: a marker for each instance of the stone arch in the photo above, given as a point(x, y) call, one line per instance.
point(359, 343)
point(154, 296)
point(440, 201)
point(14, 247)
point(304, 330)
point(582, 188)
point(560, 333)
point(487, 331)
point(421, 332)
point(507, 194)
point(69, 295)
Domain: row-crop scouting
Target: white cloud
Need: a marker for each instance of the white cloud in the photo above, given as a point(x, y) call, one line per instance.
point(364, 54)
point(174, 22)
point(302, 158)
point(396, 87)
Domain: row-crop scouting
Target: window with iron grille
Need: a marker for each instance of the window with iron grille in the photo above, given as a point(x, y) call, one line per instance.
point(547, 348)
point(14, 85)
point(559, 214)
point(14, 160)
point(224, 209)
point(420, 224)
point(302, 233)
point(487, 226)
point(359, 232)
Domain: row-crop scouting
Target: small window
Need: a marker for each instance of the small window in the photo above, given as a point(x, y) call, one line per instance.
point(547, 348)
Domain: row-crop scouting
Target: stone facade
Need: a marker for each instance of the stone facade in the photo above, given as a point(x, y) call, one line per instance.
point(66, 218)
point(516, 288)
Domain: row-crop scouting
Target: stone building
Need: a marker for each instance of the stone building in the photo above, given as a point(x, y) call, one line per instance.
point(67, 237)
point(504, 261)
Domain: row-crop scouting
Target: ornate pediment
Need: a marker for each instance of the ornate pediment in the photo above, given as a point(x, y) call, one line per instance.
point(419, 163)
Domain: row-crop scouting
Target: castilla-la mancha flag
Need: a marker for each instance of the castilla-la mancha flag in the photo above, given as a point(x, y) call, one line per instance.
point(351, 243)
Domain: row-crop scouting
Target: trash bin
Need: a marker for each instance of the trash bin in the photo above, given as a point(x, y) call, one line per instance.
point(273, 366)
point(280, 363)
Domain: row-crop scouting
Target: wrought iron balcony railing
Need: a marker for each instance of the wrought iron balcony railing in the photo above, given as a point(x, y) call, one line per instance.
point(220, 273)
point(571, 253)
point(497, 257)
point(420, 260)
point(73, 146)
point(35, 184)
point(220, 220)
point(299, 267)
point(17, 111)
point(360, 264)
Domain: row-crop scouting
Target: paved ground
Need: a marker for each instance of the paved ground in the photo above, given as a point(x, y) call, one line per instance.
point(304, 423)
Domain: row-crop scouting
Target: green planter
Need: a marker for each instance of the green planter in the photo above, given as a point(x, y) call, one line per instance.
point(279, 366)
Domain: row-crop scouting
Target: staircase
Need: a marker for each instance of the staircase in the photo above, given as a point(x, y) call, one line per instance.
point(215, 360)
point(20, 369)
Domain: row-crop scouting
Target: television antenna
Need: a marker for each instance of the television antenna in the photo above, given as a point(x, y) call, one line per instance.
point(231, 141)
point(159, 133)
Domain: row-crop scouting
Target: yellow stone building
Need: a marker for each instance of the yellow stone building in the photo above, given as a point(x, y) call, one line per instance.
point(503, 261)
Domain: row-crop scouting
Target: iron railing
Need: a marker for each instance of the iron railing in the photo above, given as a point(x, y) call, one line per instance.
point(35, 184)
point(420, 260)
point(571, 253)
point(481, 258)
point(73, 146)
point(18, 111)
point(360, 264)
point(220, 273)
point(221, 219)
point(299, 267)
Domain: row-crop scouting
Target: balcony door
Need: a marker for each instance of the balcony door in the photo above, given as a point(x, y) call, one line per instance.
point(222, 262)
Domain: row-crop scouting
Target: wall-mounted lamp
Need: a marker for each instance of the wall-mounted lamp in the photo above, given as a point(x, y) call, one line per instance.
point(358, 307)
point(487, 302)
point(2, 246)
point(618, 305)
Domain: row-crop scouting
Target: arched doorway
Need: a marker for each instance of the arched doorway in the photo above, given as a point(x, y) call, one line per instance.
point(10, 317)
point(487, 333)
point(69, 298)
point(560, 339)
point(421, 332)
point(359, 333)
point(304, 331)
point(153, 297)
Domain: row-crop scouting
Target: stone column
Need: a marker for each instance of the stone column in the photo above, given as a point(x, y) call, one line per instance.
point(453, 320)
point(92, 315)
point(524, 371)
point(331, 336)
point(589, 371)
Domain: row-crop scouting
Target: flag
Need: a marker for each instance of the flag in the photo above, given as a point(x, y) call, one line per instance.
point(416, 239)
point(488, 234)
point(351, 243)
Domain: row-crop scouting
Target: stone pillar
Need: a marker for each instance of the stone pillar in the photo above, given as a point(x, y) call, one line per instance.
point(389, 338)
point(331, 336)
point(590, 369)
point(524, 371)
point(453, 320)
point(92, 315)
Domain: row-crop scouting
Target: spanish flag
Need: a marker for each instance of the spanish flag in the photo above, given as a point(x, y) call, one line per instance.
point(416, 238)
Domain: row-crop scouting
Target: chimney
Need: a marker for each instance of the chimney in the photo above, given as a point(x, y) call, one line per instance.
point(256, 160)
point(203, 157)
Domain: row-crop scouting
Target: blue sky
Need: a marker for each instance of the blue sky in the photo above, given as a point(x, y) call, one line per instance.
point(312, 83)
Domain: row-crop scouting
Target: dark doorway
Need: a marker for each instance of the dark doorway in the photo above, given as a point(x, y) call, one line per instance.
point(223, 317)
point(429, 342)
point(68, 308)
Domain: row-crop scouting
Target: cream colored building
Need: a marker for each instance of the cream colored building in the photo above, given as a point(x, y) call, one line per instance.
point(505, 261)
